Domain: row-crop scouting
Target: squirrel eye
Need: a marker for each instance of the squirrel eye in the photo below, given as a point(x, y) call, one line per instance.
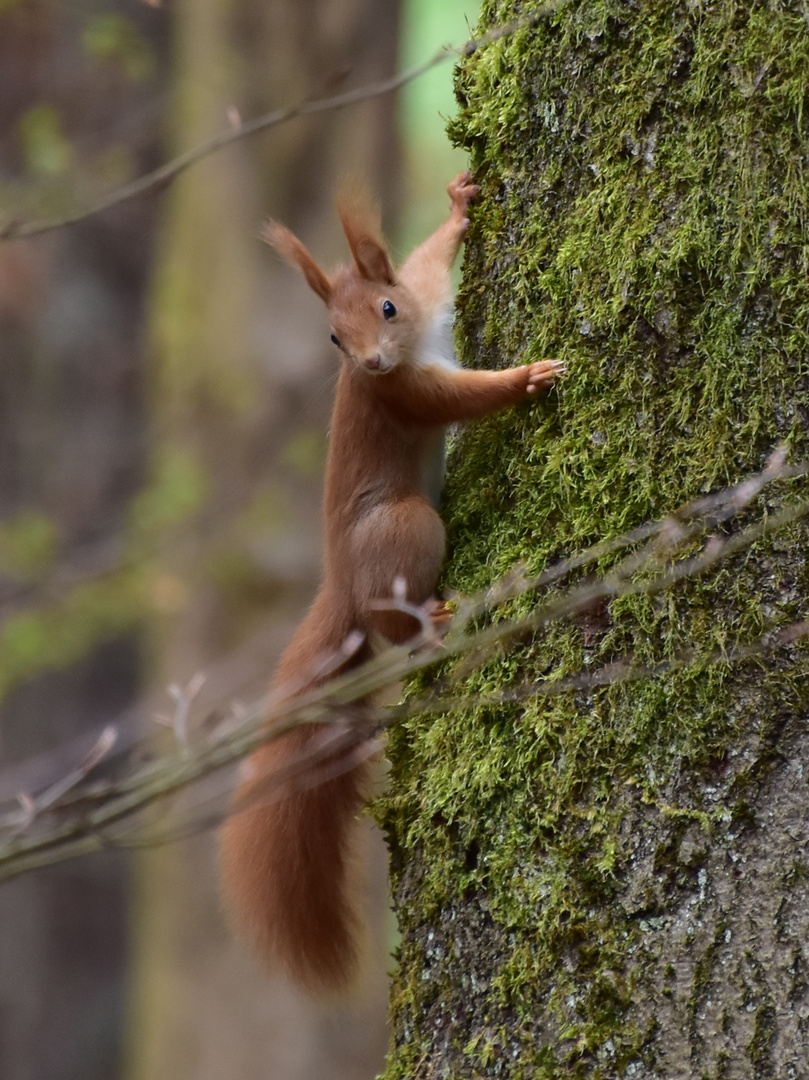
point(336, 341)
point(388, 309)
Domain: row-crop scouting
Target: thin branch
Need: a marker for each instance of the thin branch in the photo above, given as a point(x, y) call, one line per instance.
point(84, 812)
point(624, 670)
point(32, 807)
point(159, 179)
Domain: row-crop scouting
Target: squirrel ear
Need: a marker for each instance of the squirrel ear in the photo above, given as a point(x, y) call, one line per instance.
point(290, 248)
point(361, 224)
point(372, 260)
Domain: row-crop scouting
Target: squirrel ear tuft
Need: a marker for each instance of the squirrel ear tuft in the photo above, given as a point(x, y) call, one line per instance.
point(361, 223)
point(290, 248)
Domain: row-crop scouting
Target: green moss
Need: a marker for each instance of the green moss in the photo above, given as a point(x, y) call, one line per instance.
point(643, 216)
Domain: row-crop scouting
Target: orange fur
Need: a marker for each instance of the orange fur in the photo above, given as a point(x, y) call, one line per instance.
point(286, 851)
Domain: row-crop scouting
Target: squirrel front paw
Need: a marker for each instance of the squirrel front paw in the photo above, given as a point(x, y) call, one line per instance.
point(541, 374)
point(461, 192)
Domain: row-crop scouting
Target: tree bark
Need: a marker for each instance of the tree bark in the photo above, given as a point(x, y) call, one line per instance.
point(614, 883)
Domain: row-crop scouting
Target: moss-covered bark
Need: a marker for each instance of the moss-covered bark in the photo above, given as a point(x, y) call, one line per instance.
point(614, 884)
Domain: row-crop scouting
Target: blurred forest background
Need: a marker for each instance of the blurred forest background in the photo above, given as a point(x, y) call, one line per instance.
point(165, 385)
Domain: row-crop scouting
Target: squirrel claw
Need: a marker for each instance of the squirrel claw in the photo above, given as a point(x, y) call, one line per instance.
point(440, 616)
point(461, 191)
point(542, 373)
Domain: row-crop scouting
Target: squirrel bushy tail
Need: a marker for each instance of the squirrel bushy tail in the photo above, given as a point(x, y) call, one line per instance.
point(287, 857)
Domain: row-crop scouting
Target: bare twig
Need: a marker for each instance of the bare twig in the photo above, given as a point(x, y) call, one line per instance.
point(624, 670)
point(184, 697)
point(78, 814)
point(31, 807)
point(159, 179)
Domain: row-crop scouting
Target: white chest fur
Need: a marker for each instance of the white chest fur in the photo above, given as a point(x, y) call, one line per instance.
point(436, 350)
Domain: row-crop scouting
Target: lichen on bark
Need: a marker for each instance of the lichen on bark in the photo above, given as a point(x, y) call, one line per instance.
point(614, 883)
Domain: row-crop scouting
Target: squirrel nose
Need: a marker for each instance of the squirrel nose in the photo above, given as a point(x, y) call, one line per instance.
point(373, 363)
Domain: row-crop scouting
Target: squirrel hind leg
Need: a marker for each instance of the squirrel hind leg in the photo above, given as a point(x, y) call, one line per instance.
point(397, 544)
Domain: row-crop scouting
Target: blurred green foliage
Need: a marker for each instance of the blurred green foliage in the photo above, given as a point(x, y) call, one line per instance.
point(57, 634)
point(179, 486)
point(426, 104)
point(45, 147)
point(112, 37)
point(59, 628)
point(28, 544)
point(305, 453)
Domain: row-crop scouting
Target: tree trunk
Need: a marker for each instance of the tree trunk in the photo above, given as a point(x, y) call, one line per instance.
point(613, 883)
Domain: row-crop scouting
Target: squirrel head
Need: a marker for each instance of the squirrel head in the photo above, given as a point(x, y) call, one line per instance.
point(375, 320)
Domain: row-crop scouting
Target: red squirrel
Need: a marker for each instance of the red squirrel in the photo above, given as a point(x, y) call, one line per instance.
point(287, 861)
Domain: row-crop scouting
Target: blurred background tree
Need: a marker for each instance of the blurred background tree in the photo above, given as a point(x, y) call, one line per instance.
point(164, 395)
